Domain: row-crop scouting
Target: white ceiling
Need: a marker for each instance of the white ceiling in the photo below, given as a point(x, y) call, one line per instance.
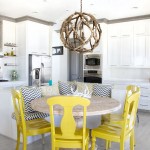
point(58, 10)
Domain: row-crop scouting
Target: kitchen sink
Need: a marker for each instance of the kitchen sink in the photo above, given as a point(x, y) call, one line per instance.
point(3, 80)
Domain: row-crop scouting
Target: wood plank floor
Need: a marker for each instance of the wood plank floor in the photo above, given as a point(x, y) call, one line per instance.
point(142, 138)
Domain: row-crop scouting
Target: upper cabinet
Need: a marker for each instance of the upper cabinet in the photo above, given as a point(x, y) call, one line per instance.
point(38, 38)
point(8, 35)
point(102, 46)
point(120, 44)
point(34, 38)
point(141, 43)
point(128, 44)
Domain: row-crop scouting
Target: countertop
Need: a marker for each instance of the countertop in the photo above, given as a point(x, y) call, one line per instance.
point(127, 82)
point(12, 84)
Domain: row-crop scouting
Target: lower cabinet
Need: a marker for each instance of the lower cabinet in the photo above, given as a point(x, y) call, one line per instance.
point(144, 102)
point(6, 109)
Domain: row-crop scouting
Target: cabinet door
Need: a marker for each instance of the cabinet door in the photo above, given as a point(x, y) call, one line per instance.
point(32, 38)
point(9, 32)
point(148, 51)
point(44, 39)
point(114, 51)
point(139, 50)
point(126, 51)
point(140, 27)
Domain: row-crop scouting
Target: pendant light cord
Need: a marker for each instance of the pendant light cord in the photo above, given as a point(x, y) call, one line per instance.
point(81, 6)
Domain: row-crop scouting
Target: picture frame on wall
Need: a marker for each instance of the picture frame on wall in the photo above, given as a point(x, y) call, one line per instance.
point(57, 50)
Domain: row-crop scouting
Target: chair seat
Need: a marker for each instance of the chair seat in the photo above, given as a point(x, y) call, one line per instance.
point(33, 115)
point(114, 131)
point(37, 126)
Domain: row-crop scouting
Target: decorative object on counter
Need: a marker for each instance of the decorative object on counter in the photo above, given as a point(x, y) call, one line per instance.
point(10, 44)
point(57, 50)
point(50, 82)
point(80, 32)
point(14, 75)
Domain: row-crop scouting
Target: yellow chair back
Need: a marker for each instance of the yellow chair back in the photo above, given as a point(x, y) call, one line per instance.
point(68, 128)
point(130, 110)
point(19, 109)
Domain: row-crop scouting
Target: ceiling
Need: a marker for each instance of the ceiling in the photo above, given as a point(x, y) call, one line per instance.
point(58, 10)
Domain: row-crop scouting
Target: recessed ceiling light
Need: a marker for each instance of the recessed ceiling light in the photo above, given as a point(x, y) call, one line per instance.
point(91, 4)
point(67, 10)
point(135, 7)
point(35, 12)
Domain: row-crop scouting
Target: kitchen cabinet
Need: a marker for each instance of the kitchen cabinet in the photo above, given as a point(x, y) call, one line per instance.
point(120, 44)
point(141, 43)
point(8, 35)
point(114, 51)
point(102, 47)
point(38, 38)
point(139, 50)
point(144, 102)
point(148, 51)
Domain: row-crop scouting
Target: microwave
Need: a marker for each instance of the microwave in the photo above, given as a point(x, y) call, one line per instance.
point(92, 61)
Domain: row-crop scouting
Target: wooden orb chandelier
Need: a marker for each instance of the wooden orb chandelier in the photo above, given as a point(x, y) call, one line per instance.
point(80, 32)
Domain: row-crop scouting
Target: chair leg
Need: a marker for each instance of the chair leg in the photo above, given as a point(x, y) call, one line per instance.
point(122, 145)
point(24, 142)
point(107, 144)
point(93, 142)
point(18, 139)
point(132, 141)
point(43, 139)
point(87, 144)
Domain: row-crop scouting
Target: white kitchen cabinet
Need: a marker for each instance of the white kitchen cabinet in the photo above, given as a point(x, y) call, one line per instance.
point(140, 27)
point(9, 32)
point(6, 110)
point(38, 38)
point(139, 50)
point(102, 46)
point(120, 44)
point(148, 51)
point(114, 51)
point(8, 35)
point(126, 50)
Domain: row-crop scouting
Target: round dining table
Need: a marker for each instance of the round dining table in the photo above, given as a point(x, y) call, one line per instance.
point(98, 106)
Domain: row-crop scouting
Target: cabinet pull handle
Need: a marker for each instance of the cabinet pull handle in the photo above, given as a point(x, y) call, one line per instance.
point(113, 36)
point(144, 96)
point(143, 105)
point(144, 87)
point(34, 52)
point(125, 35)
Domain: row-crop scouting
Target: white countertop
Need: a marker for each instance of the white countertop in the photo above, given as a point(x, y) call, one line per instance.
point(127, 82)
point(12, 84)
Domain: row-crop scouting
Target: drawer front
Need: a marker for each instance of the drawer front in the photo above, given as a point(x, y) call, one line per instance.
point(144, 103)
point(145, 91)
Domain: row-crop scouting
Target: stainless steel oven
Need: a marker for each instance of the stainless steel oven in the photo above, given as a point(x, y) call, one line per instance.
point(93, 76)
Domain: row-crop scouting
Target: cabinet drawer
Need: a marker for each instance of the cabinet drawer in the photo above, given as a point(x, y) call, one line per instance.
point(144, 103)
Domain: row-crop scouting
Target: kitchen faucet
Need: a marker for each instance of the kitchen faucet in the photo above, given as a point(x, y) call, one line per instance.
point(39, 72)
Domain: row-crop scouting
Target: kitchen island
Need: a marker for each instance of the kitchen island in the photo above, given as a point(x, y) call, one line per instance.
point(8, 125)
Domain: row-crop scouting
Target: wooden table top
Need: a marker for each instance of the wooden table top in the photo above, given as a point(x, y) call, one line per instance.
point(98, 106)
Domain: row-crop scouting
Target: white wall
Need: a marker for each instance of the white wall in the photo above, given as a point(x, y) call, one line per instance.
point(59, 62)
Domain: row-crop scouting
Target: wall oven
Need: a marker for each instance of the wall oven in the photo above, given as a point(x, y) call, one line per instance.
point(92, 76)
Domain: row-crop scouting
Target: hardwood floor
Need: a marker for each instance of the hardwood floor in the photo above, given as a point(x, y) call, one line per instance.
point(142, 138)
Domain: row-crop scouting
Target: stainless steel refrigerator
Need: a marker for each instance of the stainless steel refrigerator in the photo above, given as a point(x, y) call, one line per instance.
point(40, 69)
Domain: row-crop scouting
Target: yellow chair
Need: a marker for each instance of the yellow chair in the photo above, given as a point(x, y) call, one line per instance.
point(27, 128)
point(113, 132)
point(114, 118)
point(68, 135)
